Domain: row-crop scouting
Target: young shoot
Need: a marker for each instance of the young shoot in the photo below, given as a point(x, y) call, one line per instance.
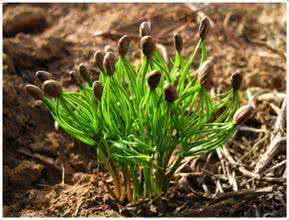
point(135, 117)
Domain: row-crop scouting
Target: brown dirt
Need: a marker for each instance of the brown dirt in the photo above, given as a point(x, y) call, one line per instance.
point(57, 37)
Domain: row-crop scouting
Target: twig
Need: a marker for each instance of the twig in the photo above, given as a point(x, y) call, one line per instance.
point(242, 193)
point(277, 146)
point(63, 174)
point(280, 124)
point(200, 12)
point(253, 148)
point(47, 160)
point(267, 46)
point(275, 167)
point(256, 130)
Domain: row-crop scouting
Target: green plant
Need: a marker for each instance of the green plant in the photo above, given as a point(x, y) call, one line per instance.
point(137, 118)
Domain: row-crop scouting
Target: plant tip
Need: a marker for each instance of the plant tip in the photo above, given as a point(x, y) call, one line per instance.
point(154, 79)
point(242, 114)
point(123, 45)
point(108, 48)
point(34, 91)
point(98, 59)
point(148, 46)
point(75, 77)
point(236, 80)
point(52, 88)
point(205, 70)
point(145, 29)
point(109, 63)
point(97, 89)
point(170, 92)
point(204, 28)
point(43, 75)
point(178, 41)
point(83, 71)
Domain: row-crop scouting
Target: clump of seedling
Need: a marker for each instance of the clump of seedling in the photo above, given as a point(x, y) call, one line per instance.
point(136, 116)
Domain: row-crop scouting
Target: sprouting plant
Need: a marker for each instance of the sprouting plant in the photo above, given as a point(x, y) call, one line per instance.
point(137, 118)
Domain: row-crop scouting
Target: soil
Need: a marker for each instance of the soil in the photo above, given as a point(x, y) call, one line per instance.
point(46, 173)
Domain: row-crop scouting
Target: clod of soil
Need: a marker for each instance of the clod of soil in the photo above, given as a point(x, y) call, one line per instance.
point(23, 19)
point(33, 53)
point(26, 173)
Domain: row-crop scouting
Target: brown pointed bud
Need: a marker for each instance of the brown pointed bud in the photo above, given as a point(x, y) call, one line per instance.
point(35, 92)
point(205, 70)
point(123, 45)
point(84, 72)
point(108, 48)
point(204, 28)
point(97, 89)
point(98, 59)
point(178, 40)
point(154, 79)
point(236, 80)
point(94, 73)
point(109, 63)
point(43, 75)
point(170, 92)
point(52, 88)
point(145, 29)
point(148, 46)
point(75, 77)
point(242, 114)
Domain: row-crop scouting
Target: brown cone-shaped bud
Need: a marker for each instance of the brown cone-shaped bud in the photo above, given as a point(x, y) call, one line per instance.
point(108, 48)
point(94, 73)
point(154, 79)
point(84, 72)
point(204, 28)
point(148, 46)
point(178, 40)
point(236, 80)
point(98, 59)
point(52, 88)
point(205, 70)
point(123, 45)
point(43, 75)
point(75, 77)
point(109, 63)
point(170, 92)
point(97, 89)
point(145, 29)
point(35, 92)
point(242, 114)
